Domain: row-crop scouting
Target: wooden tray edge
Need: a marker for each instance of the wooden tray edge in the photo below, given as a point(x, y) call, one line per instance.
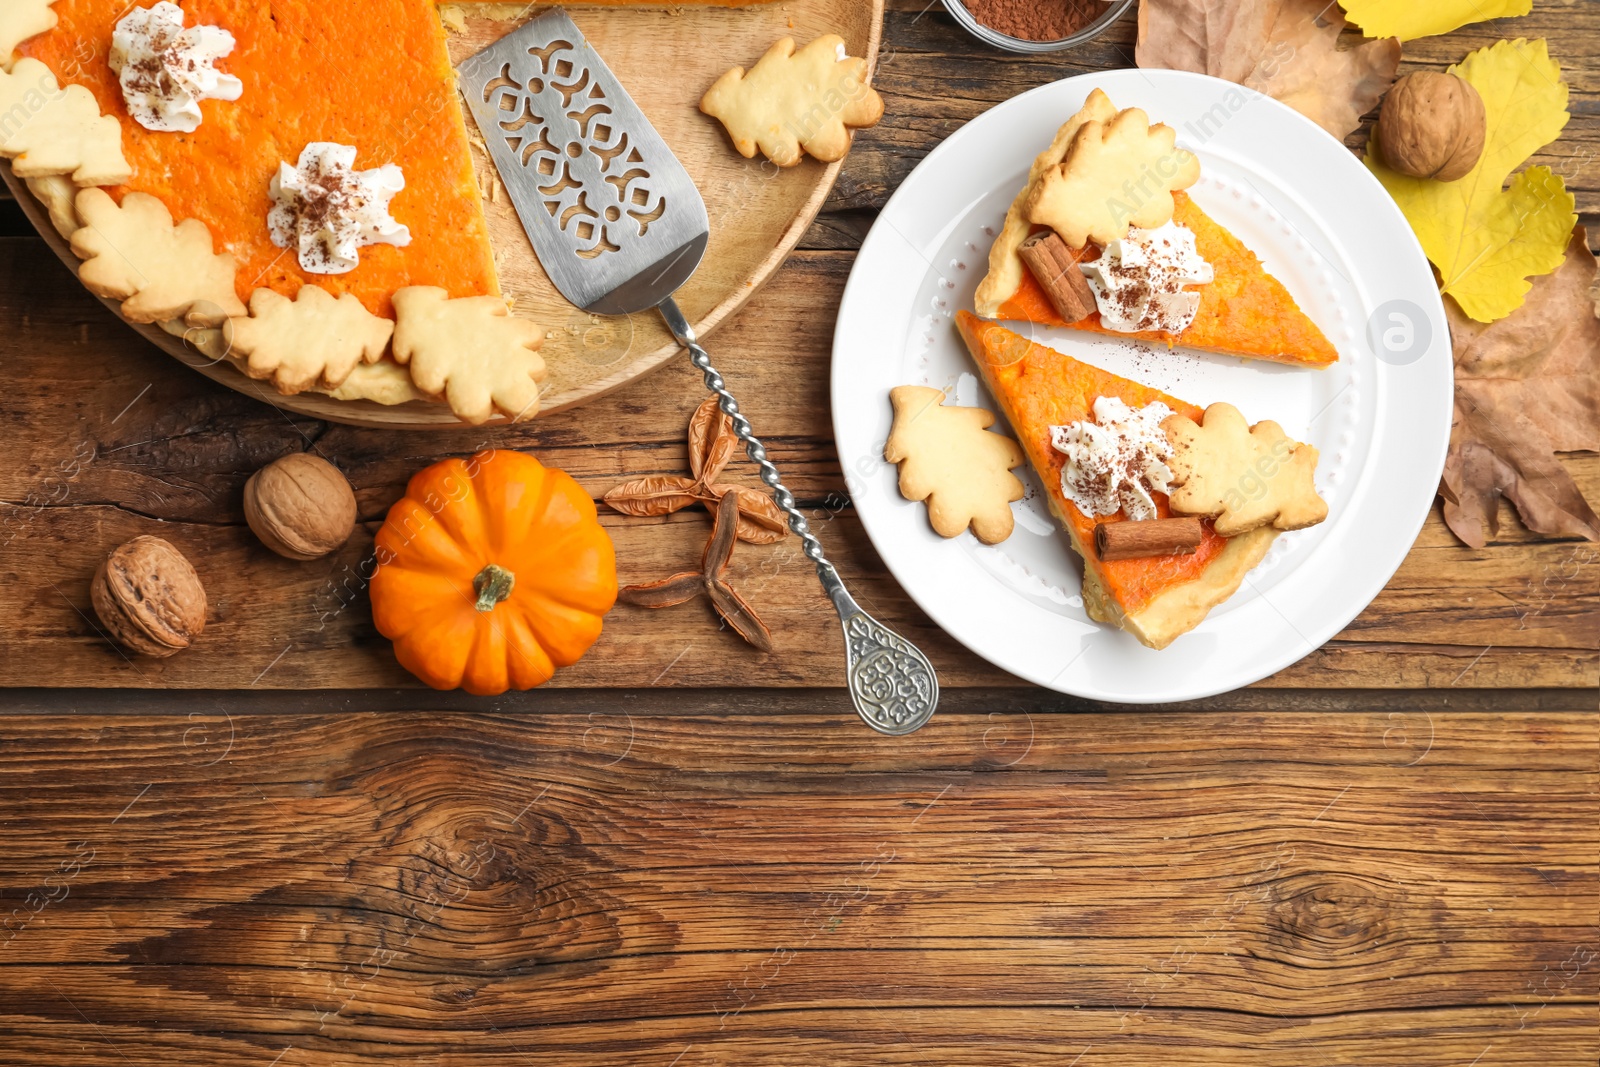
point(423, 415)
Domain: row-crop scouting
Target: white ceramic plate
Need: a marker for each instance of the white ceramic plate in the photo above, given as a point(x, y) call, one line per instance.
point(1380, 417)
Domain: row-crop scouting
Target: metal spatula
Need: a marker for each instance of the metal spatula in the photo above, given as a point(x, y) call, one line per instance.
point(619, 226)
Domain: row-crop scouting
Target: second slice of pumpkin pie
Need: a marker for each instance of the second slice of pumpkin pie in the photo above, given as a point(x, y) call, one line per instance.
point(1108, 196)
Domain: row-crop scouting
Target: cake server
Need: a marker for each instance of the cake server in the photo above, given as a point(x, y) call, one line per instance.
point(619, 226)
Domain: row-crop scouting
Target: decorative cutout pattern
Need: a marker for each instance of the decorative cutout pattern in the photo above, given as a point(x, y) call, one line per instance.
point(893, 688)
point(614, 218)
point(559, 123)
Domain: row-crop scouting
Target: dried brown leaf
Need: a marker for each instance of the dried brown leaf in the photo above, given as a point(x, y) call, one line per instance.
point(712, 441)
point(738, 614)
point(1287, 49)
point(667, 593)
point(652, 496)
point(1303, 66)
point(1527, 386)
point(1205, 36)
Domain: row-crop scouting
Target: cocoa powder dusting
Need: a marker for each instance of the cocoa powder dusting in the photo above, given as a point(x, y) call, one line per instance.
point(1036, 20)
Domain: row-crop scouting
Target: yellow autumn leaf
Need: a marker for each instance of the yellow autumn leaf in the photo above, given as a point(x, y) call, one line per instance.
point(1487, 240)
point(1410, 19)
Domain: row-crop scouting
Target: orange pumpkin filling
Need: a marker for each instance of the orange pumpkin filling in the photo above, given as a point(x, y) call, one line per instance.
point(1245, 311)
point(1038, 388)
point(376, 76)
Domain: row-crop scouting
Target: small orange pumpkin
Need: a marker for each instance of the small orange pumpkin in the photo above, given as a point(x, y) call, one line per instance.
point(492, 572)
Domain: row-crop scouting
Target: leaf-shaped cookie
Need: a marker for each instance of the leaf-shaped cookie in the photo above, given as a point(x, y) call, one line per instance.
point(1410, 19)
point(57, 193)
point(313, 339)
point(470, 351)
point(47, 129)
point(1115, 175)
point(135, 254)
point(384, 382)
point(792, 100)
point(1244, 476)
point(19, 20)
point(948, 458)
point(1487, 240)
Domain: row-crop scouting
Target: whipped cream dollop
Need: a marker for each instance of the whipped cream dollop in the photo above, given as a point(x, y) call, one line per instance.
point(1115, 462)
point(1139, 281)
point(166, 70)
point(326, 210)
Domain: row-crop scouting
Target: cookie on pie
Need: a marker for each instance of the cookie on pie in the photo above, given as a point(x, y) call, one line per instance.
point(1040, 390)
point(1110, 188)
point(311, 74)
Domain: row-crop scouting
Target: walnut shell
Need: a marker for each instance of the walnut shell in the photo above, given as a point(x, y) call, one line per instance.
point(300, 506)
point(149, 597)
point(1432, 126)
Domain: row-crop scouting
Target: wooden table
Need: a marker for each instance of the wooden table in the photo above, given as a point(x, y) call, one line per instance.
point(274, 849)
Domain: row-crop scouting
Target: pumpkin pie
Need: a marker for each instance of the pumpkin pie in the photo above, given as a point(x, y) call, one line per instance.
point(382, 84)
point(1102, 157)
point(1154, 598)
point(317, 143)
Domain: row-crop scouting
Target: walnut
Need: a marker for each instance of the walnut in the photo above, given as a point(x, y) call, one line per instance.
point(1432, 126)
point(300, 506)
point(149, 597)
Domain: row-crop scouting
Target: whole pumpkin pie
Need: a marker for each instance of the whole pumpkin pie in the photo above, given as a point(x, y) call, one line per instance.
point(1125, 251)
point(280, 145)
point(1041, 391)
point(311, 73)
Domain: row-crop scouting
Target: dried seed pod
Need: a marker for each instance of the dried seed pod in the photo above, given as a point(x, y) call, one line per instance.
point(1432, 126)
point(300, 506)
point(149, 597)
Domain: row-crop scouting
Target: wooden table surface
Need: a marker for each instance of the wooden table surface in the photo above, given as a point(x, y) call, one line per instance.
point(275, 849)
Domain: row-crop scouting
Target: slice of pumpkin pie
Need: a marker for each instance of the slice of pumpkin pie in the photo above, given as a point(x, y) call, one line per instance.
point(1104, 238)
point(1169, 506)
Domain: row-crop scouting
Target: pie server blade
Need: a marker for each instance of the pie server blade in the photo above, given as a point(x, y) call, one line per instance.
point(619, 226)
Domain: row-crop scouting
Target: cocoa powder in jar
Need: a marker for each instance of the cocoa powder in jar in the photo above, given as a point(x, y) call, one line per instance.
point(1036, 20)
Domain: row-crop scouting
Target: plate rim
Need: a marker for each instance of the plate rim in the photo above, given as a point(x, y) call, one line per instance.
point(895, 559)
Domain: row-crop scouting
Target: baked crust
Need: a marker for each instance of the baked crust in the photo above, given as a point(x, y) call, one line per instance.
point(57, 193)
point(1158, 605)
point(1247, 311)
point(234, 146)
point(1006, 269)
point(1180, 609)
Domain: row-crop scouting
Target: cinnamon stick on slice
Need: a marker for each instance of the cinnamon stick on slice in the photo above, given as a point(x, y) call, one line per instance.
point(1151, 537)
point(1055, 265)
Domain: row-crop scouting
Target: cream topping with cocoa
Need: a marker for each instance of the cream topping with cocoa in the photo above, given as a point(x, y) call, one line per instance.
point(327, 211)
point(1117, 461)
point(166, 70)
point(1140, 282)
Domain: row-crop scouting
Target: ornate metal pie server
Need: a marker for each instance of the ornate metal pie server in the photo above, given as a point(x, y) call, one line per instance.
point(619, 226)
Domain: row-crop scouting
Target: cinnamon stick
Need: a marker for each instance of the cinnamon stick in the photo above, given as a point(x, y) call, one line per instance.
point(1055, 266)
point(1152, 537)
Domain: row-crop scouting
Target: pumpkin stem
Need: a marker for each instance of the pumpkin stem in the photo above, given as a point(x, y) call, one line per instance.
point(493, 584)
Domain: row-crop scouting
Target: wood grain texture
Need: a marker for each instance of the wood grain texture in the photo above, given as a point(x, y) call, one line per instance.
point(108, 438)
point(1387, 886)
point(111, 439)
point(684, 877)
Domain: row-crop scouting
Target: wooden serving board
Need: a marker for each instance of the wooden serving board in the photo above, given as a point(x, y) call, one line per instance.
point(666, 59)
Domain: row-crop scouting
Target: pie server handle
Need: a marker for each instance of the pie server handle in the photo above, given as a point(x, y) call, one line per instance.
point(893, 685)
